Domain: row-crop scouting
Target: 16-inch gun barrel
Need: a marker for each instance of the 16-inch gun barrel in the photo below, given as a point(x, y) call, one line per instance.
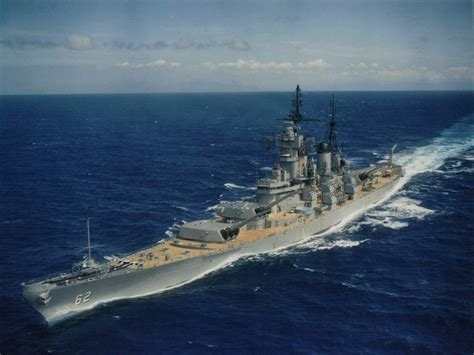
point(233, 230)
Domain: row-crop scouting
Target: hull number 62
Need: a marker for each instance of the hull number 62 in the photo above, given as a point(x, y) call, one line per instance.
point(83, 298)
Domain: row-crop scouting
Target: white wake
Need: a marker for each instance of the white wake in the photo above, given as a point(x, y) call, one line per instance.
point(397, 211)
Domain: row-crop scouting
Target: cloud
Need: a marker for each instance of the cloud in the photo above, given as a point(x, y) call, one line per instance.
point(234, 44)
point(367, 73)
point(255, 65)
point(123, 65)
point(239, 45)
point(360, 65)
point(407, 74)
point(458, 73)
point(83, 42)
point(314, 64)
point(138, 46)
point(392, 74)
point(183, 44)
point(79, 42)
point(23, 42)
point(160, 63)
point(75, 42)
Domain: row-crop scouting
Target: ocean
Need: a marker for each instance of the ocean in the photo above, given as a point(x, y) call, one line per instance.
point(397, 278)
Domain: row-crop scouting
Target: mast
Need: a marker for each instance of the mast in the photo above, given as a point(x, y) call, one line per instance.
point(331, 135)
point(392, 150)
point(296, 115)
point(89, 262)
point(88, 241)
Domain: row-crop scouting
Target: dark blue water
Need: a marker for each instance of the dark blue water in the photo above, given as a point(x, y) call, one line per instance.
point(398, 279)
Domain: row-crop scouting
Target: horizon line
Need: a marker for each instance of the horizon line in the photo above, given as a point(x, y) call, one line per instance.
point(235, 92)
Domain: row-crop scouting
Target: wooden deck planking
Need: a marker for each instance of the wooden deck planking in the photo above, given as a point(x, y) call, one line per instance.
point(166, 252)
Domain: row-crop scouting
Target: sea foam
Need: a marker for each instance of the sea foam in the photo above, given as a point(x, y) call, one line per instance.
point(230, 185)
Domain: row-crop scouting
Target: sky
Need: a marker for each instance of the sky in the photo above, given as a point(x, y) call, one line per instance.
point(123, 46)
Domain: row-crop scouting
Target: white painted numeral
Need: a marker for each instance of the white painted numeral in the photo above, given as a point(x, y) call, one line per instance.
point(83, 298)
point(87, 297)
point(78, 299)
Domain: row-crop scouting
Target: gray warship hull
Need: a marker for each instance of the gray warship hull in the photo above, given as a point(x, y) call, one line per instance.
point(58, 302)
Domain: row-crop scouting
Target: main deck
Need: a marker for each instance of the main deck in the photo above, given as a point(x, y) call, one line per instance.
point(175, 250)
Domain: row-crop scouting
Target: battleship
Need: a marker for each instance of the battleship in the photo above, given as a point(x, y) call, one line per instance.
point(310, 189)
